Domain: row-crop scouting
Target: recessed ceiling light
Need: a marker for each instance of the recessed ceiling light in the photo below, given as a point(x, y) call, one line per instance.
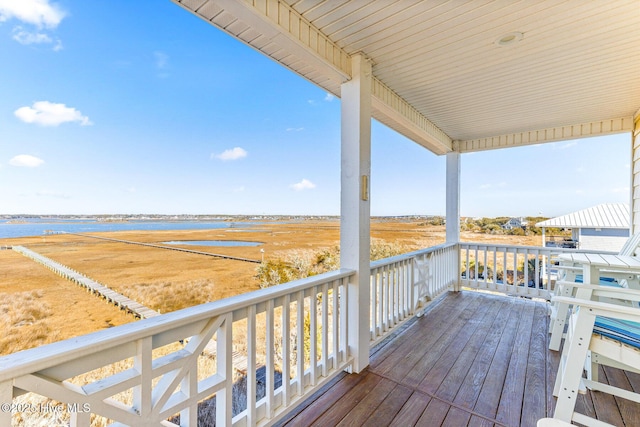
point(509, 39)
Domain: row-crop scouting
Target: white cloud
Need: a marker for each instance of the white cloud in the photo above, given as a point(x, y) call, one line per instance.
point(485, 186)
point(305, 184)
point(295, 129)
point(40, 13)
point(231, 154)
point(25, 160)
point(25, 37)
point(327, 98)
point(45, 113)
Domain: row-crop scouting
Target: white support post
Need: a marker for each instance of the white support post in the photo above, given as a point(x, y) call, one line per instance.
point(355, 204)
point(453, 197)
point(453, 207)
point(635, 174)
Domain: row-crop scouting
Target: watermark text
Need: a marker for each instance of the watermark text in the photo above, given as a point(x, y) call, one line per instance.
point(43, 408)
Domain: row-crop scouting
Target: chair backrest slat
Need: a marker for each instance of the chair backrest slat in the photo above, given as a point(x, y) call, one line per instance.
point(631, 246)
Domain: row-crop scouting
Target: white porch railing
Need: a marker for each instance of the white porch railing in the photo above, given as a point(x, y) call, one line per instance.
point(285, 342)
point(514, 270)
point(153, 369)
point(400, 284)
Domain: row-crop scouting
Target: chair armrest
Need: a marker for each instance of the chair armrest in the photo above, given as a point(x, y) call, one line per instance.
point(570, 267)
point(604, 308)
point(604, 291)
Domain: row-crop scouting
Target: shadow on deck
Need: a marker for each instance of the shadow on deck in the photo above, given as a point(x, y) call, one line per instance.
point(474, 359)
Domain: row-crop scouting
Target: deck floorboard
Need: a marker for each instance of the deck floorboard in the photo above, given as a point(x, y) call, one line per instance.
point(474, 360)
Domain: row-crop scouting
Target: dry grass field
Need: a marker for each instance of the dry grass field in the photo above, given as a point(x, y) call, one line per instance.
point(40, 307)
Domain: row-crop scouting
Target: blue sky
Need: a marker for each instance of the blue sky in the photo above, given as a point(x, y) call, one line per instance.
point(140, 107)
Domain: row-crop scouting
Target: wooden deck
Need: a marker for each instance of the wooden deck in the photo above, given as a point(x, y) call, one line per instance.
point(473, 360)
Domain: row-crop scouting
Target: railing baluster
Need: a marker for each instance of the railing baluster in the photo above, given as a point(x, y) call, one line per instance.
point(300, 343)
point(495, 267)
point(325, 328)
point(374, 303)
point(313, 331)
point(388, 292)
point(286, 347)
point(476, 270)
point(525, 268)
point(402, 286)
point(270, 361)
point(251, 366)
point(412, 289)
point(380, 292)
point(393, 315)
point(336, 325)
point(343, 316)
point(486, 267)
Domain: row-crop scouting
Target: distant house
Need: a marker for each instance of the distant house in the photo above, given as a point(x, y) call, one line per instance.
point(603, 227)
point(515, 223)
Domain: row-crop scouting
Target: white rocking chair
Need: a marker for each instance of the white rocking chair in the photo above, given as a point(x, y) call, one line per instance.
point(598, 333)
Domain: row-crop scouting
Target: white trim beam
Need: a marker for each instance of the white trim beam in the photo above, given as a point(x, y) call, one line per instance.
point(407, 120)
point(560, 133)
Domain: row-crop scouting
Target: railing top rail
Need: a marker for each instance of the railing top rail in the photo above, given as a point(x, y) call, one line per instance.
point(534, 248)
point(36, 359)
point(409, 255)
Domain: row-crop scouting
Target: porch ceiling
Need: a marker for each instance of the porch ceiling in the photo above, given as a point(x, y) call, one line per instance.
point(440, 76)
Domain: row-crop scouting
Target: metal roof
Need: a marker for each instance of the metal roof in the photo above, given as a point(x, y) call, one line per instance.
point(607, 215)
point(460, 75)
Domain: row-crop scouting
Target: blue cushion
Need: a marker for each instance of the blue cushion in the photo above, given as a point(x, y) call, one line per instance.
point(604, 281)
point(620, 330)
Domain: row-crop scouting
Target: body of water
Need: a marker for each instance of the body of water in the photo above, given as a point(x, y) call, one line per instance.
point(41, 227)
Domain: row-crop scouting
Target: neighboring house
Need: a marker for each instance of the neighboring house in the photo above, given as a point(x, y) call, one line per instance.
point(515, 223)
point(603, 227)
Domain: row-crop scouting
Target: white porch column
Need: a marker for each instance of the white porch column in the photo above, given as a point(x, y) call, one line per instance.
point(355, 205)
point(453, 203)
point(635, 174)
point(453, 197)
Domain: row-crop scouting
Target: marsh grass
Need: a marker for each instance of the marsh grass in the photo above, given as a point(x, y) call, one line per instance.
point(165, 296)
point(23, 320)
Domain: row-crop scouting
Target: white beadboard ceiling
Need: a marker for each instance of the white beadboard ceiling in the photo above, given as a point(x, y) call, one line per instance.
point(575, 72)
